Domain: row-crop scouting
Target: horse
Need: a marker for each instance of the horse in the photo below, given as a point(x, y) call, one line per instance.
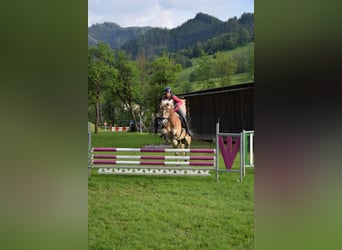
point(177, 134)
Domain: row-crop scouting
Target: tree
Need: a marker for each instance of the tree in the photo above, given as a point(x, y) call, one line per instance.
point(163, 73)
point(143, 78)
point(182, 60)
point(204, 71)
point(198, 50)
point(241, 60)
point(101, 75)
point(247, 20)
point(251, 63)
point(243, 36)
point(225, 68)
point(127, 86)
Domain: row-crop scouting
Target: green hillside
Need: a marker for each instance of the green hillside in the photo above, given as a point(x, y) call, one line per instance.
point(245, 51)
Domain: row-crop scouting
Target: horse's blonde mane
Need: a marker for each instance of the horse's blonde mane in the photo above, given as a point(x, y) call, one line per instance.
point(167, 103)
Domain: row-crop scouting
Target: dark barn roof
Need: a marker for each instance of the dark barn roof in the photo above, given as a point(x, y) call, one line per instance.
point(231, 105)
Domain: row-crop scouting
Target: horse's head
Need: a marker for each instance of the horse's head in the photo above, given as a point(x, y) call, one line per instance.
point(159, 123)
point(167, 103)
point(166, 106)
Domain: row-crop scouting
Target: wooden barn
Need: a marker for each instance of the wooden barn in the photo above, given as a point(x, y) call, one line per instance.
point(232, 106)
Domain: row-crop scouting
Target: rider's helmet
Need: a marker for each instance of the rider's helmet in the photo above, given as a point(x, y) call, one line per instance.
point(167, 89)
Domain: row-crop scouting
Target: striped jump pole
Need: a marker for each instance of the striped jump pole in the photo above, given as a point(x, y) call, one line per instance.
point(149, 163)
point(191, 165)
point(154, 157)
point(119, 129)
point(156, 150)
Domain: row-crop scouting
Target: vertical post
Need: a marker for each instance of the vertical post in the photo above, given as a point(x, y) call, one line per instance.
point(89, 149)
point(217, 150)
point(251, 154)
point(245, 152)
point(241, 156)
point(140, 123)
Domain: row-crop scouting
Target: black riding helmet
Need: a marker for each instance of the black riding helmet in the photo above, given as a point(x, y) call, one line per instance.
point(167, 89)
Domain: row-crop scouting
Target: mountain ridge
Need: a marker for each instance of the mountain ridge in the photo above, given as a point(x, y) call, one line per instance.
point(113, 34)
point(153, 40)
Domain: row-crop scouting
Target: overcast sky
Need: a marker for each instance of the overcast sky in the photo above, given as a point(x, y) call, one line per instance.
point(162, 13)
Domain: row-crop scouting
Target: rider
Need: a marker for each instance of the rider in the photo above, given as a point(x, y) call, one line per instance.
point(177, 103)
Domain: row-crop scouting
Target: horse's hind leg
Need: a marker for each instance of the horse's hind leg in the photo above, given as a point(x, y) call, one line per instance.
point(181, 146)
point(188, 141)
point(175, 144)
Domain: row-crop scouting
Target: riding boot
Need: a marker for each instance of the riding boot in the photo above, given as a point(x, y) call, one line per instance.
point(187, 127)
point(185, 122)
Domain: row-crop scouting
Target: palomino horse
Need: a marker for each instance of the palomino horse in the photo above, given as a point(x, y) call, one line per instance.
point(180, 138)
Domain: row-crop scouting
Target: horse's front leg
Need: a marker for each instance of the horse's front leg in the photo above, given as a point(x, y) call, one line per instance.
point(165, 135)
point(186, 143)
point(175, 141)
point(175, 144)
point(174, 138)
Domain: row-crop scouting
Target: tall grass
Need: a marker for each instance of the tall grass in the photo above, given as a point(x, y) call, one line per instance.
point(166, 212)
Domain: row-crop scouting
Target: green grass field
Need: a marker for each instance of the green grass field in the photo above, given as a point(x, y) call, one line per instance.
point(168, 212)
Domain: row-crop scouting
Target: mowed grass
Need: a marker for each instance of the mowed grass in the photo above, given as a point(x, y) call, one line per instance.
point(168, 212)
